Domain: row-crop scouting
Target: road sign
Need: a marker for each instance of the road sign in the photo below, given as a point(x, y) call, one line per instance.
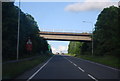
point(49, 47)
point(29, 45)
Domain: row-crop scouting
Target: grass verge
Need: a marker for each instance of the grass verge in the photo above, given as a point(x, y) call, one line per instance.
point(70, 54)
point(106, 60)
point(12, 70)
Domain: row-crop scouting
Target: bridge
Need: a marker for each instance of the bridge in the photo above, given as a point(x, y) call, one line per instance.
point(66, 36)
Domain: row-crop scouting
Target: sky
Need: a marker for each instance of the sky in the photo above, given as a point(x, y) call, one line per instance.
point(65, 16)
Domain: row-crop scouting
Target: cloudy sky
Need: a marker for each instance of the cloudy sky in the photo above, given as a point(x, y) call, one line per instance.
point(65, 16)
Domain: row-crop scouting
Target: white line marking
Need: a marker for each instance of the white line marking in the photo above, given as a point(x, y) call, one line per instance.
point(68, 60)
point(81, 69)
point(39, 69)
point(74, 64)
point(65, 58)
point(92, 77)
point(98, 64)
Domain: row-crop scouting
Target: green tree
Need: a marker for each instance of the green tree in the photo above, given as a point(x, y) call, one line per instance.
point(28, 28)
point(106, 34)
point(74, 47)
point(86, 48)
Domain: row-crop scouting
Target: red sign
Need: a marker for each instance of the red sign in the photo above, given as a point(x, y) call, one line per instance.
point(29, 45)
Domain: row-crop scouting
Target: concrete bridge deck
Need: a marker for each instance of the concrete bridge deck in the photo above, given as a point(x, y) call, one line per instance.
point(84, 37)
point(64, 33)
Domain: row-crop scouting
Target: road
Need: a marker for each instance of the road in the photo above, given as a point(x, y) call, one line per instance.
point(67, 67)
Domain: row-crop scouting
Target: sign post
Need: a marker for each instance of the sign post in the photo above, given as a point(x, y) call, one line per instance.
point(49, 47)
point(29, 45)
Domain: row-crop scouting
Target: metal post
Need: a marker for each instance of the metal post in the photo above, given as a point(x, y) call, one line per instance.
point(92, 36)
point(92, 39)
point(18, 31)
point(119, 4)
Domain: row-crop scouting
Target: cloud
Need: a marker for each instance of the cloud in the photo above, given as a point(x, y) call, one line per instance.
point(89, 5)
point(54, 50)
point(60, 49)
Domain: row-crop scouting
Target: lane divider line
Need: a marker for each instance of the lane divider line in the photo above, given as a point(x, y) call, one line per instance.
point(92, 77)
point(74, 64)
point(69, 60)
point(98, 64)
point(81, 69)
point(40, 69)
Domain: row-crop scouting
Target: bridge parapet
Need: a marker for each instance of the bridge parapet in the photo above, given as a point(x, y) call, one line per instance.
point(65, 33)
point(84, 37)
point(66, 30)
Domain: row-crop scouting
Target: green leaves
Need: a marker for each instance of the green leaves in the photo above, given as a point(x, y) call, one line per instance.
point(28, 28)
point(106, 31)
point(106, 35)
point(74, 47)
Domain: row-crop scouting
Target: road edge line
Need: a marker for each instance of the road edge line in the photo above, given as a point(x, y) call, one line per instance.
point(39, 69)
point(98, 64)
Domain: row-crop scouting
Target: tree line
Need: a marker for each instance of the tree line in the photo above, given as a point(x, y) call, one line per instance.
point(28, 29)
point(105, 35)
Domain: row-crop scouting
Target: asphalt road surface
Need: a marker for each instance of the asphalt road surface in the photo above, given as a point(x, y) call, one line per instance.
point(67, 67)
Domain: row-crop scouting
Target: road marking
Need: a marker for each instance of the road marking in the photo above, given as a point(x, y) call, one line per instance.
point(69, 60)
point(92, 77)
point(74, 64)
point(81, 69)
point(98, 64)
point(39, 69)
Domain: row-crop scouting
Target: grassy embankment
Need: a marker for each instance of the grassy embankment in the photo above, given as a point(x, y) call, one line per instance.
point(70, 54)
point(111, 61)
point(12, 70)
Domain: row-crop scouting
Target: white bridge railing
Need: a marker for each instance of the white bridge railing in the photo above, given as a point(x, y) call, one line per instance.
point(64, 30)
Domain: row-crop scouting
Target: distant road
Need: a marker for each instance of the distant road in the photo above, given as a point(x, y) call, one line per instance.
point(67, 67)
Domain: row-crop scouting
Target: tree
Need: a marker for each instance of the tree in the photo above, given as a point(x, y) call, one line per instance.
point(74, 47)
point(86, 48)
point(28, 28)
point(106, 34)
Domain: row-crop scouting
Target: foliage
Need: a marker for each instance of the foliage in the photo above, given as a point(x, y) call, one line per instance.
point(106, 60)
point(105, 36)
point(86, 48)
point(28, 28)
point(15, 69)
point(74, 47)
